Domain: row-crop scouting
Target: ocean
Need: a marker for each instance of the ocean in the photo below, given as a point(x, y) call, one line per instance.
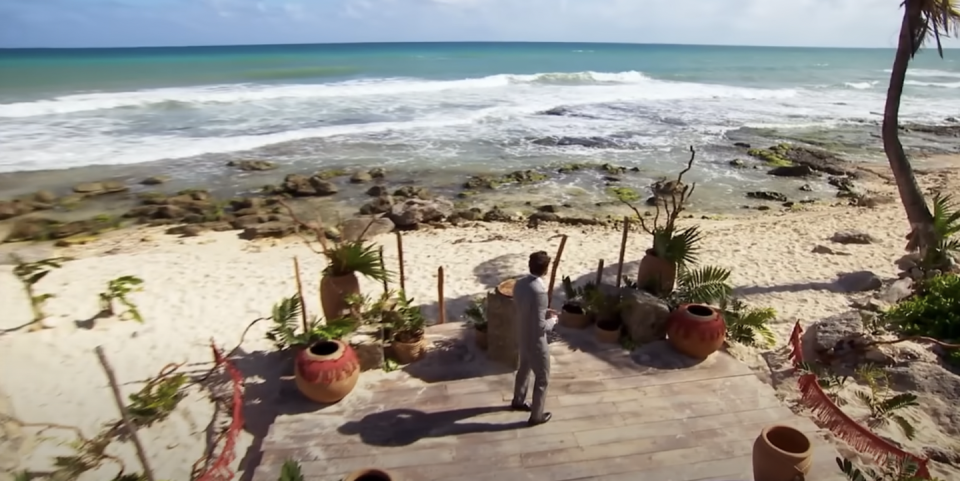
point(442, 108)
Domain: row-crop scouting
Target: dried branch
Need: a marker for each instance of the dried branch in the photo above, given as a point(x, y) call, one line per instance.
point(317, 230)
point(673, 207)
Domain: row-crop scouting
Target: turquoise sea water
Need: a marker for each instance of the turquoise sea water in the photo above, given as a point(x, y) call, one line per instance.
point(443, 104)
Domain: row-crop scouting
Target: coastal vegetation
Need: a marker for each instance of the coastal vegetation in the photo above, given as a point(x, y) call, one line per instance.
point(923, 20)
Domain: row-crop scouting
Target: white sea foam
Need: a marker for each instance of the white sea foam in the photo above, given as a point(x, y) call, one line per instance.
point(423, 115)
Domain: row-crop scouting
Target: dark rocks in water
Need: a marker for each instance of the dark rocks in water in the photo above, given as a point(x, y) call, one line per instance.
point(842, 183)
point(767, 195)
point(367, 226)
point(549, 208)
point(91, 189)
point(806, 188)
point(492, 182)
point(938, 130)
point(380, 205)
point(496, 214)
point(588, 142)
point(738, 163)
point(302, 186)
point(17, 207)
point(792, 171)
point(742, 145)
point(783, 155)
point(565, 112)
point(410, 213)
point(378, 172)
point(155, 180)
point(38, 229)
point(377, 191)
point(252, 165)
point(412, 192)
point(360, 177)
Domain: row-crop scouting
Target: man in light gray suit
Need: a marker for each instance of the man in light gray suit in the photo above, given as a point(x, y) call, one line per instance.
point(530, 299)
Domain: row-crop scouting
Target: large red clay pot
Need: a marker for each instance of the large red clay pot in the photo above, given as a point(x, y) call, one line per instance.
point(334, 292)
point(327, 371)
point(781, 453)
point(656, 274)
point(696, 330)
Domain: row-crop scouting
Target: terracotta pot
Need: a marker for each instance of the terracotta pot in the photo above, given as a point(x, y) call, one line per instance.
point(326, 371)
point(780, 453)
point(334, 292)
point(369, 474)
point(481, 338)
point(659, 275)
point(608, 332)
point(696, 330)
point(407, 352)
point(573, 320)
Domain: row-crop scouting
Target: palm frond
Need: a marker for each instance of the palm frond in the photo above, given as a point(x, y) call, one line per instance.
point(355, 257)
point(703, 285)
point(905, 425)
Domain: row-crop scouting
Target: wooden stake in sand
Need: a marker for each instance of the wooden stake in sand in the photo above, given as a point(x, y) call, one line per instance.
point(124, 416)
point(303, 307)
point(623, 249)
point(441, 302)
point(403, 284)
point(599, 278)
point(383, 267)
point(553, 271)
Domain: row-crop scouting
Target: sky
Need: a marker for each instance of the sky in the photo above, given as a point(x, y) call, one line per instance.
point(126, 23)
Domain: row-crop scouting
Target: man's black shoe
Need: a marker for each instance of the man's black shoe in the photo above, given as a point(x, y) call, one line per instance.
point(536, 422)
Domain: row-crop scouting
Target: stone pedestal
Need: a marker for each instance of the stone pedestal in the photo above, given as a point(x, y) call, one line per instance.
point(502, 345)
point(368, 346)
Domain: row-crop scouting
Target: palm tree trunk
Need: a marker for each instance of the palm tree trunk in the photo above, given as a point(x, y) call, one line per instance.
point(921, 220)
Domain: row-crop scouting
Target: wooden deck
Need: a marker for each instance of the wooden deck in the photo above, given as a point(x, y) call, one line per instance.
point(616, 416)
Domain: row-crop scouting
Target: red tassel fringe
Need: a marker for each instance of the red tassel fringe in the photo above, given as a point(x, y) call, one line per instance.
point(220, 470)
point(833, 418)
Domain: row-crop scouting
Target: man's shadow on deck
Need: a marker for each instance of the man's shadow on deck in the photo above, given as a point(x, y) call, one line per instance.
point(403, 427)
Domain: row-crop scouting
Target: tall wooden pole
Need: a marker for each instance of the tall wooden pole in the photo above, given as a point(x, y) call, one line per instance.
point(553, 271)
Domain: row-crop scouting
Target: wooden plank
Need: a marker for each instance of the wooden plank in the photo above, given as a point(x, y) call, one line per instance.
point(632, 392)
point(683, 426)
point(734, 468)
point(626, 445)
point(479, 452)
point(399, 459)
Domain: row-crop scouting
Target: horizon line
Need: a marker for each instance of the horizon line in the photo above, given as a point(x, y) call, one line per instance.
point(433, 42)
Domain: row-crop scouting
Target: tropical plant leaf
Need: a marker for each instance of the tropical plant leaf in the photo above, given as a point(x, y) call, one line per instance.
point(290, 471)
point(359, 257)
point(703, 285)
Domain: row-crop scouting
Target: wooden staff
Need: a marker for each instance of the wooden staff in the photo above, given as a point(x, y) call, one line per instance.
point(553, 271)
point(124, 416)
point(303, 301)
point(383, 267)
point(403, 283)
point(623, 248)
point(599, 278)
point(441, 302)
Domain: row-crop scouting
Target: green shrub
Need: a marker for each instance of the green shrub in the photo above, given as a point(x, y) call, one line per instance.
point(934, 311)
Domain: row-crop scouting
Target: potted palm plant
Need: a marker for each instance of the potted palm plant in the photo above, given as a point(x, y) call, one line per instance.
point(345, 259)
point(326, 368)
point(672, 247)
point(572, 313)
point(605, 311)
point(407, 324)
point(476, 315)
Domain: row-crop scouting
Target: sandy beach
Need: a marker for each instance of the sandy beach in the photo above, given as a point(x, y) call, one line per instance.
point(213, 285)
